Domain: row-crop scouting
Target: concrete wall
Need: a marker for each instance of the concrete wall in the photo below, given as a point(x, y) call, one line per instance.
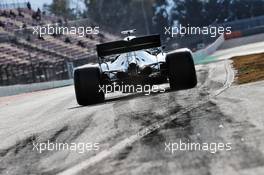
point(18, 89)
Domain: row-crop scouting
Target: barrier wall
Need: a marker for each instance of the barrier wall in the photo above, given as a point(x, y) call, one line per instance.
point(18, 89)
point(246, 32)
point(244, 24)
point(231, 43)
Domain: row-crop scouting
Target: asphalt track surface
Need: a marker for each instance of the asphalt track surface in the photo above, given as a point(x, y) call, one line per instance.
point(132, 129)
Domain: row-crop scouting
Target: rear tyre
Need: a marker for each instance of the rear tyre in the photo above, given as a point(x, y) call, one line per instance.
point(181, 70)
point(87, 86)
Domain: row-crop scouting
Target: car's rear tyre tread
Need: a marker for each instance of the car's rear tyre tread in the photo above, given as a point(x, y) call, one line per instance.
point(181, 70)
point(87, 86)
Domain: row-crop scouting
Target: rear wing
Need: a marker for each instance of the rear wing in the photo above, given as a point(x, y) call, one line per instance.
point(122, 46)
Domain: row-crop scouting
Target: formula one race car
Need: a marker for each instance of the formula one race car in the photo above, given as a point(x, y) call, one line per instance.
point(133, 61)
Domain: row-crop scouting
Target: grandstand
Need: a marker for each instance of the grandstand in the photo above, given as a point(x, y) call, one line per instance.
point(27, 58)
